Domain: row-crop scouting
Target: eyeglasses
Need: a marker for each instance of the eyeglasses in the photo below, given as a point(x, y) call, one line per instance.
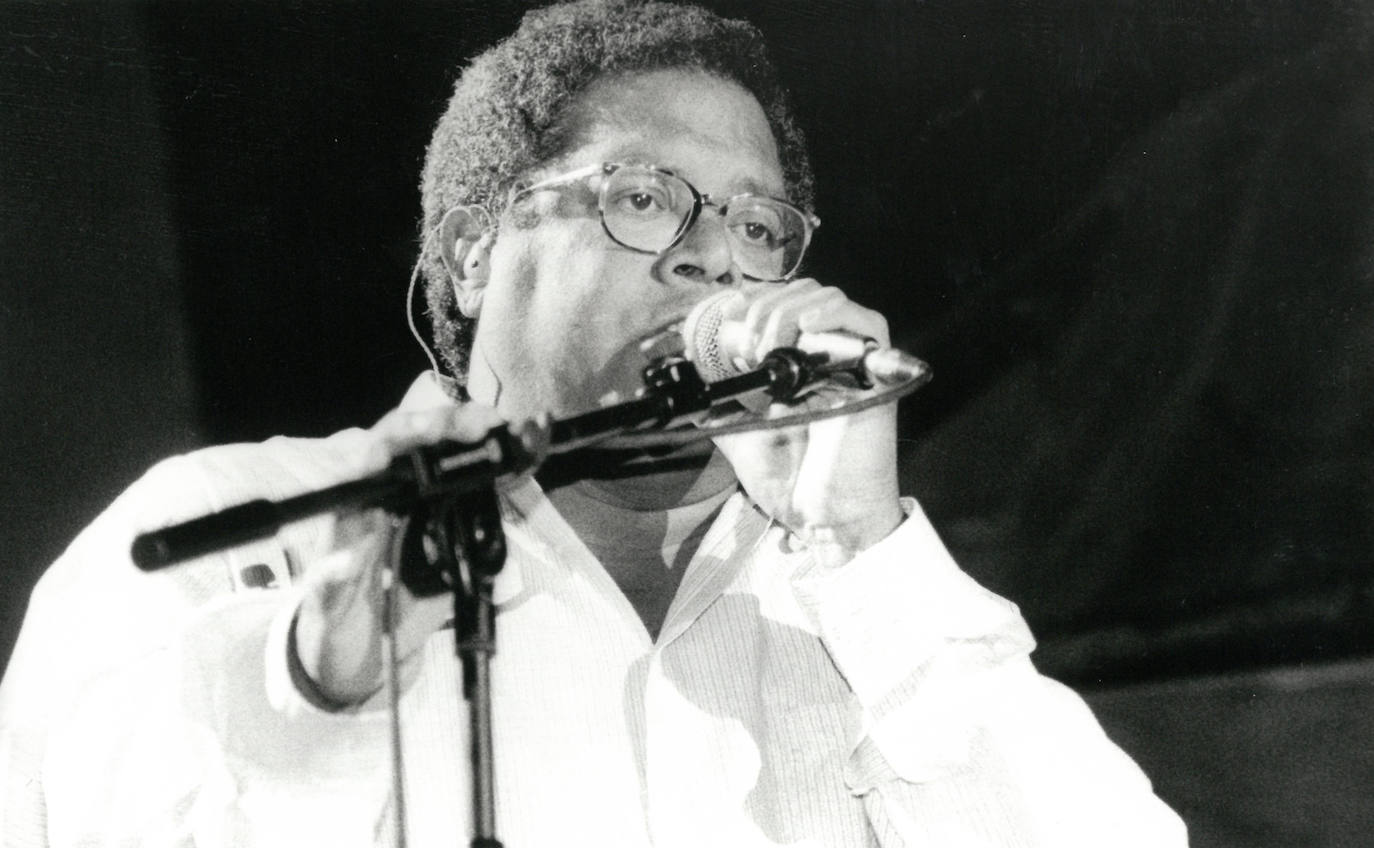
point(650, 210)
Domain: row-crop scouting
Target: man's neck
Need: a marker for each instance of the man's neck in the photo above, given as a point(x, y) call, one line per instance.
point(643, 517)
point(641, 480)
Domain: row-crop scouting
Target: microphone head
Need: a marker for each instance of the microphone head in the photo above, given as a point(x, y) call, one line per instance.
point(714, 340)
point(701, 335)
point(889, 366)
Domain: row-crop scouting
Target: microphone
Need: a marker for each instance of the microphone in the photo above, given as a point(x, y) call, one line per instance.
point(720, 348)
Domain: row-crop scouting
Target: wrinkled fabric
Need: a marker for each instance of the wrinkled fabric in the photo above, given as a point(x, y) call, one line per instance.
point(888, 701)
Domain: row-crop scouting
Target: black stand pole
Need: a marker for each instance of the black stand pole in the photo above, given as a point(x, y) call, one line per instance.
point(476, 656)
point(456, 544)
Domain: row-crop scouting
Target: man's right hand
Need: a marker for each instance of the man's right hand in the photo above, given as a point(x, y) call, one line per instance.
point(339, 624)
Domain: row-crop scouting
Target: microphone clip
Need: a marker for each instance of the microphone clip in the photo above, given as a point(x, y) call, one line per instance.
point(453, 540)
point(675, 382)
point(792, 370)
point(680, 390)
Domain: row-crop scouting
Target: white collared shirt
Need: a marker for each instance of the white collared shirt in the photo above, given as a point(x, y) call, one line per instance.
point(890, 701)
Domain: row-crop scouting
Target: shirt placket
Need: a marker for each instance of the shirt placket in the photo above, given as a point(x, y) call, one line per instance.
point(688, 793)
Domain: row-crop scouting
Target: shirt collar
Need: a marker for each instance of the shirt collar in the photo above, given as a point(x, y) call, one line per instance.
point(429, 390)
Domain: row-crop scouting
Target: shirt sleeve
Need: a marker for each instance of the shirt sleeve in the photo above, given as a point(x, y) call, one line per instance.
point(91, 612)
point(964, 742)
point(130, 698)
point(205, 742)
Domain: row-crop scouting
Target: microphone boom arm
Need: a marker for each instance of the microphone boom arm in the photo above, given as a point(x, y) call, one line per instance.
point(674, 393)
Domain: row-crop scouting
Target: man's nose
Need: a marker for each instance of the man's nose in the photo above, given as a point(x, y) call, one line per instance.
point(704, 254)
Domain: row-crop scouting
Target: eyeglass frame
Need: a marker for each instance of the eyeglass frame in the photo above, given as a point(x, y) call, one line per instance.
point(700, 201)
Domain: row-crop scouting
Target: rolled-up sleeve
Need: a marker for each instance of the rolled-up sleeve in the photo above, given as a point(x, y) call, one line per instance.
point(205, 742)
point(150, 709)
point(963, 741)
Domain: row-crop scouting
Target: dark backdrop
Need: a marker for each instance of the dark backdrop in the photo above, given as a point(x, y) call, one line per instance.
point(1135, 240)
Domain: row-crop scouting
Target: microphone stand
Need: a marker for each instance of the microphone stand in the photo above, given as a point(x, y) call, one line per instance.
point(453, 541)
point(674, 391)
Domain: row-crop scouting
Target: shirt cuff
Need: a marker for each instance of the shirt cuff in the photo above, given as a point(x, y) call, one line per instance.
point(900, 605)
point(901, 620)
point(261, 718)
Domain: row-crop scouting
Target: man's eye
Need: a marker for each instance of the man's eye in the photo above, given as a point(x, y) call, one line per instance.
point(756, 233)
point(641, 202)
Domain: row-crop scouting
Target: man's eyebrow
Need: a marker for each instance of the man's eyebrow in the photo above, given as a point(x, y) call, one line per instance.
point(752, 186)
point(739, 185)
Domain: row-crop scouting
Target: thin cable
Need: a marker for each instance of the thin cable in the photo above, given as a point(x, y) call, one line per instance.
point(391, 676)
point(410, 302)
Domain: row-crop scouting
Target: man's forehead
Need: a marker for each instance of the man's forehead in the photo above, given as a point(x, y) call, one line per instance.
point(738, 177)
point(691, 122)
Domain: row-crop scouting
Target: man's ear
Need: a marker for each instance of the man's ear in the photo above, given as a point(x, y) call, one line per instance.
point(465, 239)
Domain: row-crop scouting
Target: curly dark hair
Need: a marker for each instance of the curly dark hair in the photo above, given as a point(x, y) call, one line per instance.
point(506, 114)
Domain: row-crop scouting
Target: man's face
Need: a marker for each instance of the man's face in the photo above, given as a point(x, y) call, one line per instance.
point(566, 306)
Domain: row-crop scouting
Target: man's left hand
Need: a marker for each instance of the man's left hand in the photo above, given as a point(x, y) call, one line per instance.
point(834, 480)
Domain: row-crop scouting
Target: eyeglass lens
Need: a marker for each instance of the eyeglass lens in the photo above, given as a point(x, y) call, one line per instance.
point(648, 210)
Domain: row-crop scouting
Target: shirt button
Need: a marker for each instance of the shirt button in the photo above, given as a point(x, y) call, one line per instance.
point(259, 575)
